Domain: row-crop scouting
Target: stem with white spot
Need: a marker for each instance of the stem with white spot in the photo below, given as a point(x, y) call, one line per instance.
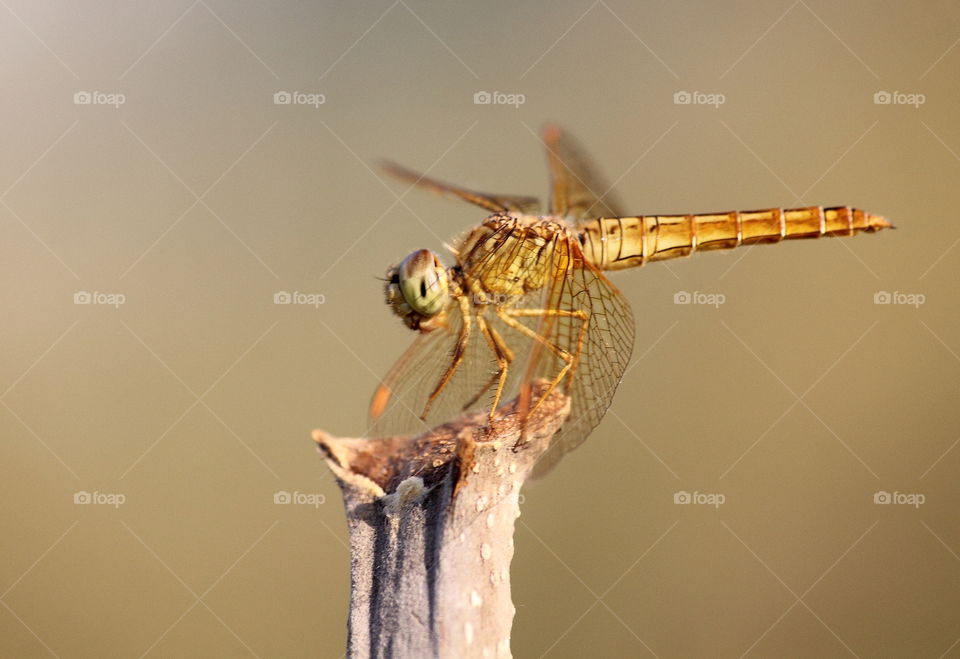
point(431, 521)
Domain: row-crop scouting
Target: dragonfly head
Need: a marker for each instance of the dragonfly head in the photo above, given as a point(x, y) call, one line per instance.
point(418, 290)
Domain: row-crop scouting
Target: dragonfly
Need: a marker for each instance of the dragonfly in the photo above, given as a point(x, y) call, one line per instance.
point(526, 299)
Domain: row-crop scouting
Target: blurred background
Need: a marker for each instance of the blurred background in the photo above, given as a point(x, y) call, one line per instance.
point(171, 170)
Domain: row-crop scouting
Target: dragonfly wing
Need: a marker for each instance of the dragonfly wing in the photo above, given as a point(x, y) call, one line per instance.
point(399, 402)
point(492, 202)
point(603, 355)
point(577, 191)
point(569, 284)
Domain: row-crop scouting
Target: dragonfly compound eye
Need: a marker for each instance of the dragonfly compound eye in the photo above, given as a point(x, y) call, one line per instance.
point(423, 283)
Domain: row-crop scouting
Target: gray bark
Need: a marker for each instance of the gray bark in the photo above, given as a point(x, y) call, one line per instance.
point(431, 521)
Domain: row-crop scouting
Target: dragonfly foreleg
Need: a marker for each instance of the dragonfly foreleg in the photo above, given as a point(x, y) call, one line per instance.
point(458, 352)
point(502, 354)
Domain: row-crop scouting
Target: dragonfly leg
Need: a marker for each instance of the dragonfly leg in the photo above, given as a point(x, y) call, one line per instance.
point(502, 354)
point(458, 352)
point(509, 316)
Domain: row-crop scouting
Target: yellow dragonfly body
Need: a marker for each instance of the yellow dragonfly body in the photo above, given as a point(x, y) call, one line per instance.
point(526, 299)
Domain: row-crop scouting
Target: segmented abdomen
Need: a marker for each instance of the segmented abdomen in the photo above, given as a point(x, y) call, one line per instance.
point(625, 242)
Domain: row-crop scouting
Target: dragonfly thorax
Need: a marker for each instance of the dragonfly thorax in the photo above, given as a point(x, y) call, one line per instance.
point(418, 290)
point(510, 255)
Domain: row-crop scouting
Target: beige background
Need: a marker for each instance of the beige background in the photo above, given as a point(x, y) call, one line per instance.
point(199, 198)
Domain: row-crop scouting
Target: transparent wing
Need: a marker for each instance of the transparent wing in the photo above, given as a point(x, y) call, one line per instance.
point(401, 399)
point(577, 191)
point(492, 202)
point(413, 396)
point(603, 354)
point(572, 290)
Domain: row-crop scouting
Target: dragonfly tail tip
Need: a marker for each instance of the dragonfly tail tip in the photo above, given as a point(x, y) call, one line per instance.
point(877, 222)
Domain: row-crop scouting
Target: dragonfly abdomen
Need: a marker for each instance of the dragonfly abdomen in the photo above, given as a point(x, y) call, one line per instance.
point(613, 243)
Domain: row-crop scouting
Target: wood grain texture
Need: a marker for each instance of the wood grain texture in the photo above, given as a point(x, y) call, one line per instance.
point(431, 521)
